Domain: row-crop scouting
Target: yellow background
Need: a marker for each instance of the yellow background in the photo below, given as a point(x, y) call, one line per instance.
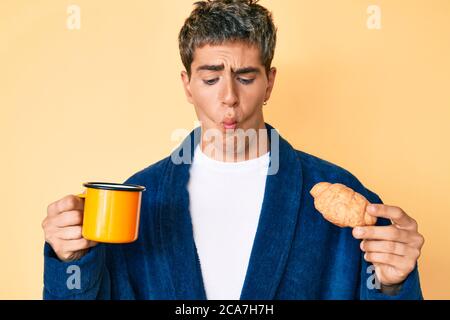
point(100, 103)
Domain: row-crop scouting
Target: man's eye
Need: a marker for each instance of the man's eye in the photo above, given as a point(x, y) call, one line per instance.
point(210, 82)
point(246, 81)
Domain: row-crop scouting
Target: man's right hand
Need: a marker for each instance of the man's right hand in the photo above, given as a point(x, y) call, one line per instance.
point(62, 228)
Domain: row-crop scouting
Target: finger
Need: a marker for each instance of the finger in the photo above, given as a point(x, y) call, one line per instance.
point(390, 233)
point(386, 258)
point(391, 247)
point(395, 214)
point(402, 265)
point(70, 233)
point(67, 203)
point(79, 244)
point(69, 218)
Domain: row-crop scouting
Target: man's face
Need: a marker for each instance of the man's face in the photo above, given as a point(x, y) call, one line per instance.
point(228, 86)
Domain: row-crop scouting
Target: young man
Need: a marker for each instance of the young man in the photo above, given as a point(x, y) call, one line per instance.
point(226, 220)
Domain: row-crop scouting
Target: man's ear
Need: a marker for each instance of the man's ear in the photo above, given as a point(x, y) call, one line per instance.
point(271, 81)
point(187, 86)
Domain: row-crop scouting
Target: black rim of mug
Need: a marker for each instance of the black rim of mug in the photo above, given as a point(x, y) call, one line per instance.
point(114, 186)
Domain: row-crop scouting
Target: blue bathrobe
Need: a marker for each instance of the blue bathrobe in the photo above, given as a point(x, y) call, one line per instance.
point(296, 253)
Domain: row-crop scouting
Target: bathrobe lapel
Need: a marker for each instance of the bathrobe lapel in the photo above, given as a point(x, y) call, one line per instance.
point(274, 233)
point(277, 223)
point(177, 239)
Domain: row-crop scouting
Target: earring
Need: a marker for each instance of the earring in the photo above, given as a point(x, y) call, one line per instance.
point(265, 103)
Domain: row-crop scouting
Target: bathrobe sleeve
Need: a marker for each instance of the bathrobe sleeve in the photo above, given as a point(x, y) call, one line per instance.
point(85, 279)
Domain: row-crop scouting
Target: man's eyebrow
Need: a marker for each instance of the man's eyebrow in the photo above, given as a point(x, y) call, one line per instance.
point(221, 67)
point(247, 70)
point(210, 67)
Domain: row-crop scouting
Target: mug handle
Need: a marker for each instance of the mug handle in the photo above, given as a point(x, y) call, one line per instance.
point(81, 195)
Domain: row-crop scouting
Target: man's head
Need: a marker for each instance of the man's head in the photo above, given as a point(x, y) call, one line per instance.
point(216, 22)
point(227, 47)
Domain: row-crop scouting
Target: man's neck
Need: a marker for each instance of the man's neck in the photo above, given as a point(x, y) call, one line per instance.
point(236, 146)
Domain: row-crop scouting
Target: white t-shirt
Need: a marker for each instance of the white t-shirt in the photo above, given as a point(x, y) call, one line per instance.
point(225, 205)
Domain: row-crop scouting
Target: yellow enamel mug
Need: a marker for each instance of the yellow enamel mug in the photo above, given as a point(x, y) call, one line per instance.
point(111, 212)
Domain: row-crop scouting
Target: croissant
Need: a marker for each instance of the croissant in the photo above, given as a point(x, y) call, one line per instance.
point(341, 205)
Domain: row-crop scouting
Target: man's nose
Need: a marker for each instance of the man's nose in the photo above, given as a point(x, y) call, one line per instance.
point(229, 95)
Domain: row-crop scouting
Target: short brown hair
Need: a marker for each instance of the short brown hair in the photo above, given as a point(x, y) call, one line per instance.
point(214, 22)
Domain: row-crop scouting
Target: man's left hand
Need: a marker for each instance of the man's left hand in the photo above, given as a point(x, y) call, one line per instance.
point(393, 249)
